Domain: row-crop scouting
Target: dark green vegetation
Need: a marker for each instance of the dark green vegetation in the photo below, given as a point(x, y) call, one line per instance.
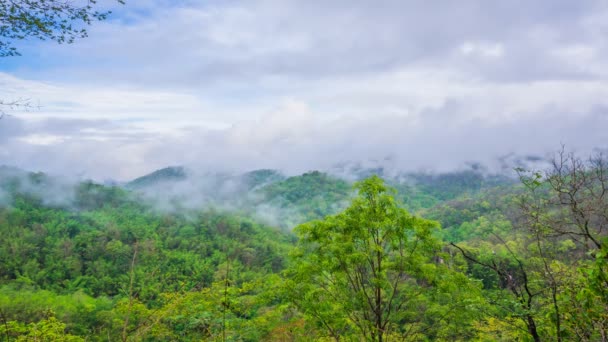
point(458, 256)
point(168, 174)
point(265, 194)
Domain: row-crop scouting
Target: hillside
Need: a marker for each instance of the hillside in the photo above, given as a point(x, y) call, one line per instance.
point(287, 201)
point(106, 257)
point(168, 174)
point(89, 261)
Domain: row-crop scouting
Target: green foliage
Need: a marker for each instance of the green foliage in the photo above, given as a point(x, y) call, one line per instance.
point(371, 270)
point(95, 263)
point(257, 178)
point(20, 303)
point(46, 330)
point(55, 20)
point(80, 260)
point(163, 175)
point(451, 185)
point(307, 197)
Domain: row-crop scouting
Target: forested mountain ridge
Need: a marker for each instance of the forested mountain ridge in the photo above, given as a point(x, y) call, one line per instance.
point(168, 174)
point(287, 201)
point(502, 260)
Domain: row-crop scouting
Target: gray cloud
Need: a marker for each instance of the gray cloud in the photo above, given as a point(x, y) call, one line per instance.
point(299, 85)
point(190, 44)
point(296, 142)
point(10, 128)
point(56, 191)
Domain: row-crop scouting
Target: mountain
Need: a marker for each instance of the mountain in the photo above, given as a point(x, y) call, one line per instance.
point(257, 178)
point(176, 174)
point(287, 201)
point(178, 255)
point(297, 199)
point(168, 174)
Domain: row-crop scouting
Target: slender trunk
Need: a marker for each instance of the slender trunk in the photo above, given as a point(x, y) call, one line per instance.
point(226, 284)
point(532, 328)
point(553, 284)
point(557, 316)
point(379, 300)
point(8, 337)
point(130, 307)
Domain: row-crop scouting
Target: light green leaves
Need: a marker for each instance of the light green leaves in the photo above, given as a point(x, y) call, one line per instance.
point(368, 271)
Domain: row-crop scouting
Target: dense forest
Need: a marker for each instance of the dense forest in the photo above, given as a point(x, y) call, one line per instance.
point(349, 253)
point(261, 256)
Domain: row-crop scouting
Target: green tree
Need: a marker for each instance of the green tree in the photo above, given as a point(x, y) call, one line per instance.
point(568, 205)
point(367, 271)
point(48, 329)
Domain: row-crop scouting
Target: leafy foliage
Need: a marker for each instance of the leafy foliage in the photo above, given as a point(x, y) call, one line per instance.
point(309, 196)
point(370, 270)
point(509, 262)
point(125, 260)
point(163, 175)
point(56, 20)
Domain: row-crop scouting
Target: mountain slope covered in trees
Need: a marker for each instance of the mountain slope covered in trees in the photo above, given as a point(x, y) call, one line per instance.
point(467, 257)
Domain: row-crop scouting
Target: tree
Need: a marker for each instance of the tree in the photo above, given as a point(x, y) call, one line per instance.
point(553, 264)
point(367, 271)
point(569, 204)
point(512, 273)
point(570, 199)
point(23, 104)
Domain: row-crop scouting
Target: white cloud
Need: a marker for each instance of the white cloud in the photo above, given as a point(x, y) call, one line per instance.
point(42, 139)
point(491, 50)
point(81, 101)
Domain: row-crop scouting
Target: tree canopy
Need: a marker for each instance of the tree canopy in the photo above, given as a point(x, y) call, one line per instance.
point(514, 263)
point(368, 271)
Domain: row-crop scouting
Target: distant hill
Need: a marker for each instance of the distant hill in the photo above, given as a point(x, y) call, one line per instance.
point(287, 201)
point(308, 186)
point(49, 190)
point(433, 188)
point(257, 178)
point(265, 194)
point(168, 174)
point(297, 199)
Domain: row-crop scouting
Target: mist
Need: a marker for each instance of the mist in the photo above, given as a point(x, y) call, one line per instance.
point(438, 141)
point(51, 191)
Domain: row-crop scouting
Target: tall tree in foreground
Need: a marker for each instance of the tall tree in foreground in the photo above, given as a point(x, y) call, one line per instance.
point(548, 272)
point(568, 205)
point(369, 271)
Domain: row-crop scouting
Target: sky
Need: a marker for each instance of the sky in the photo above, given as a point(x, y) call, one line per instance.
point(302, 85)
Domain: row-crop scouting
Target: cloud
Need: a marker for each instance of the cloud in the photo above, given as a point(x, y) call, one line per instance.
point(196, 45)
point(300, 85)
point(55, 191)
point(483, 50)
point(10, 128)
point(437, 139)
